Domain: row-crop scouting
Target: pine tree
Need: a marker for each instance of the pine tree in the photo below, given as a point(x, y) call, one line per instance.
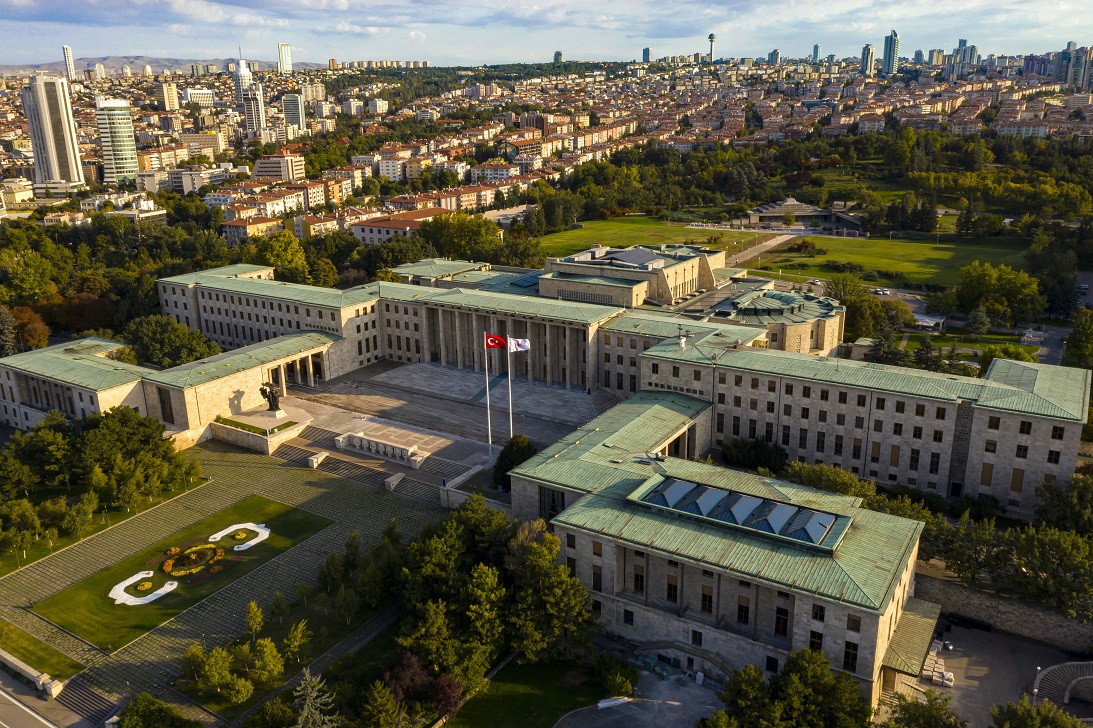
point(313, 703)
point(380, 709)
point(978, 321)
point(926, 356)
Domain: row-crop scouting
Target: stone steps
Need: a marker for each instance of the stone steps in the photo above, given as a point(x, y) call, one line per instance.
point(84, 701)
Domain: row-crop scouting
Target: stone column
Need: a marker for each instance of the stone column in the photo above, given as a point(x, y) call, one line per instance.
point(458, 328)
point(284, 380)
point(442, 335)
point(310, 372)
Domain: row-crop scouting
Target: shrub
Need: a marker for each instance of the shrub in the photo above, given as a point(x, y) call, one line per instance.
point(167, 566)
point(870, 275)
point(617, 676)
point(841, 267)
point(742, 452)
point(144, 586)
point(888, 273)
point(618, 686)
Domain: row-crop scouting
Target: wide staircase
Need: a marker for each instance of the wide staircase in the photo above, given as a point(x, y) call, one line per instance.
point(342, 468)
point(1055, 683)
point(82, 700)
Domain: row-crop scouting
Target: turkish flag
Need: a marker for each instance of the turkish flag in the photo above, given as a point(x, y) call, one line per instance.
point(495, 342)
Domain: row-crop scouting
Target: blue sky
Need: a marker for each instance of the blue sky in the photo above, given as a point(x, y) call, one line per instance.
point(467, 32)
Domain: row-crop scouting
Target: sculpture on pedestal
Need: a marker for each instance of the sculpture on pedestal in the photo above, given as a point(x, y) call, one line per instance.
point(272, 395)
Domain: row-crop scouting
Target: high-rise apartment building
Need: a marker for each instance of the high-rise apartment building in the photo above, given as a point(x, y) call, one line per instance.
point(284, 59)
point(868, 60)
point(52, 135)
point(920, 57)
point(816, 53)
point(126, 72)
point(254, 108)
point(891, 54)
point(774, 58)
point(119, 147)
point(936, 56)
point(312, 92)
point(293, 106)
point(147, 70)
point(100, 72)
point(646, 54)
point(243, 80)
point(167, 96)
point(70, 67)
point(378, 106)
point(332, 64)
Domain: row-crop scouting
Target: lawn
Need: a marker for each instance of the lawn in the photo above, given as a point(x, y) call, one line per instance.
point(12, 560)
point(86, 609)
point(36, 653)
point(911, 260)
point(622, 232)
point(530, 696)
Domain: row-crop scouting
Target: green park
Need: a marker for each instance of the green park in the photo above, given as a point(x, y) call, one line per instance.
point(624, 232)
point(87, 609)
point(33, 651)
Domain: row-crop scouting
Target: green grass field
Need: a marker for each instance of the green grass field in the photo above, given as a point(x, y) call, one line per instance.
point(911, 260)
point(622, 232)
point(36, 653)
point(86, 609)
point(530, 696)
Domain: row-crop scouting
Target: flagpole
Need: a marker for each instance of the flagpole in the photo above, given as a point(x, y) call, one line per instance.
point(489, 428)
point(509, 347)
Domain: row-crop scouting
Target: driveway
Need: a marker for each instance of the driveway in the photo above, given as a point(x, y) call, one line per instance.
point(656, 704)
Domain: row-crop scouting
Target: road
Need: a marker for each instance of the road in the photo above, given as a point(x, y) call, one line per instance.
point(13, 714)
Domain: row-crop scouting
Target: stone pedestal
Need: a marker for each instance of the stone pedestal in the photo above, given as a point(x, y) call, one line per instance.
point(275, 415)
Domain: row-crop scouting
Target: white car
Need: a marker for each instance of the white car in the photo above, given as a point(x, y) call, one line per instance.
point(1083, 286)
point(815, 282)
point(881, 291)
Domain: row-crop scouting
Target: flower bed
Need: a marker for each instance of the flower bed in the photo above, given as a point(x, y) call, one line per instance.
point(221, 420)
point(192, 560)
point(144, 586)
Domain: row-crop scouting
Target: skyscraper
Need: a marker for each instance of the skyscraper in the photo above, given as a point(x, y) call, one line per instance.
point(868, 60)
point(891, 54)
point(119, 146)
point(52, 135)
point(167, 96)
point(920, 57)
point(254, 108)
point(293, 106)
point(243, 80)
point(816, 53)
point(70, 68)
point(284, 59)
point(646, 54)
point(100, 72)
point(774, 58)
point(557, 56)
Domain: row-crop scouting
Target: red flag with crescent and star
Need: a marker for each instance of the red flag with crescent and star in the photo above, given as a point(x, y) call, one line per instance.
point(495, 342)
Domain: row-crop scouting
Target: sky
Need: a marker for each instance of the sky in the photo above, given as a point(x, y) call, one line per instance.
point(470, 32)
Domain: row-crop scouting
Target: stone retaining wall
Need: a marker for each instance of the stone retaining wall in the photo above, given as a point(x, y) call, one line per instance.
point(46, 685)
point(1006, 614)
point(255, 442)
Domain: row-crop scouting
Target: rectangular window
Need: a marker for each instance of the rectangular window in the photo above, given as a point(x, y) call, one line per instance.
point(878, 425)
point(920, 410)
point(821, 441)
point(893, 457)
point(698, 375)
point(736, 426)
point(789, 389)
point(990, 446)
point(1053, 457)
point(913, 463)
point(787, 410)
point(675, 371)
point(671, 591)
point(939, 436)
point(166, 408)
point(822, 416)
point(861, 400)
point(720, 422)
point(874, 452)
point(823, 395)
point(880, 403)
point(656, 368)
point(781, 622)
point(1058, 433)
point(639, 579)
point(850, 657)
point(816, 641)
point(1017, 480)
point(853, 623)
point(696, 638)
point(1025, 427)
point(707, 599)
point(628, 617)
point(939, 414)
point(935, 463)
point(818, 612)
point(897, 429)
point(806, 391)
point(738, 380)
point(802, 439)
point(900, 407)
point(986, 477)
point(772, 386)
point(1022, 451)
point(842, 397)
point(771, 664)
point(785, 435)
point(755, 383)
point(597, 548)
point(993, 422)
point(570, 541)
point(804, 413)
point(597, 578)
point(840, 419)
point(770, 408)
point(916, 433)
point(743, 610)
point(838, 444)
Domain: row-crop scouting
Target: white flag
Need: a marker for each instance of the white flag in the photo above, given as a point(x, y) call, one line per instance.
point(519, 344)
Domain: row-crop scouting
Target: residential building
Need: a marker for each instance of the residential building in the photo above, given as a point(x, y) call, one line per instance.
point(816, 53)
point(70, 68)
point(167, 96)
point(312, 92)
point(293, 107)
point(254, 108)
point(890, 64)
point(256, 226)
point(203, 97)
point(646, 55)
point(378, 106)
point(868, 60)
point(282, 165)
point(57, 166)
point(243, 81)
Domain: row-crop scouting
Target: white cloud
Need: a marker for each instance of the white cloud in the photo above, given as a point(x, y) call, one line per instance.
point(416, 35)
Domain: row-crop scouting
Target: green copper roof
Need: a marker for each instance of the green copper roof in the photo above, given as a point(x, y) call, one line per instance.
point(81, 363)
point(237, 360)
point(607, 462)
point(762, 307)
point(597, 280)
point(278, 290)
point(433, 268)
point(1035, 389)
point(667, 325)
point(906, 652)
point(500, 303)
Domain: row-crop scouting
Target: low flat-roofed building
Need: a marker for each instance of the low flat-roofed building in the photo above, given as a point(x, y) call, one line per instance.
point(803, 214)
point(630, 277)
point(712, 569)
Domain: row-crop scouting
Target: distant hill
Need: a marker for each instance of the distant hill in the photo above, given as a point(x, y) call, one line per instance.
point(113, 65)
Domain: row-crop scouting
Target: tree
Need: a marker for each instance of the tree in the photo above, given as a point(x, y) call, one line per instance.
point(1023, 714)
point(844, 286)
point(255, 620)
point(31, 330)
point(283, 252)
point(885, 349)
point(323, 273)
point(516, 451)
point(330, 573)
point(144, 710)
point(978, 321)
point(943, 303)
point(352, 558)
point(744, 452)
point(162, 341)
point(1066, 506)
point(1005, 293)
point(297, 641)
point(238, 689)
point(216, 670)
point(973, 550)
point(926, 356)
point(9, 334)
point(348, 603)
point(273, 714)
point(268, 663)
point(485, 597)
point(380, 709)
point(279, 607)
point(386, 274)
point(302, 591)
point(863, 314)
point(313, 703)
point(194, 660)
point(1079, 343)
point(829, 478)
point(1014, 352)
point(934, 711)
point(1049, 566)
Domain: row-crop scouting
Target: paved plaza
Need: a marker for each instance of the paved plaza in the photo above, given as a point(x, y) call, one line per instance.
point(153, 661)
point(656, 703)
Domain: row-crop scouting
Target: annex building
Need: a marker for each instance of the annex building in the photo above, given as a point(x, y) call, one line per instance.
point(712, 569)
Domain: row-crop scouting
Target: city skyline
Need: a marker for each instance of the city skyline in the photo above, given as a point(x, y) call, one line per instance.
point(320, 29)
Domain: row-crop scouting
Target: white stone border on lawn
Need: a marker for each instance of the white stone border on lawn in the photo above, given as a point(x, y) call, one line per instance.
point(263, 534)
point(120, 597)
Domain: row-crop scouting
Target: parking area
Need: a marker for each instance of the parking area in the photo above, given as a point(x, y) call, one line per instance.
point(656, 704)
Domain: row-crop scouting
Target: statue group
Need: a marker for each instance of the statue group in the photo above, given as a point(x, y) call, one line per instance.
point(272, 394)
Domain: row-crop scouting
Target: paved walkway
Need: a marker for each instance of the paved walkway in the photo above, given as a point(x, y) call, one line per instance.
point(153, 661)
point(745, 255)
